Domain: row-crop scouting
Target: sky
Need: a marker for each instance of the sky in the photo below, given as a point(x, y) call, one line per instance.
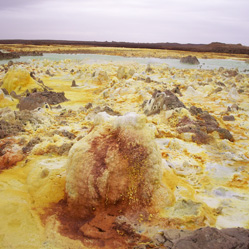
point(182, 21)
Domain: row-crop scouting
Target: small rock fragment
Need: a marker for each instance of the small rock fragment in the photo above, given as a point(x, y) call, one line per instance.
point(228, 118)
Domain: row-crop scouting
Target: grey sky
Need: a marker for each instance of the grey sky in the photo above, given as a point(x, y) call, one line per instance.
point(183, 21)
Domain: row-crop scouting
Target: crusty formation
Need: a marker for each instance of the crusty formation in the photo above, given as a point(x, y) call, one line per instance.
point(117, 164)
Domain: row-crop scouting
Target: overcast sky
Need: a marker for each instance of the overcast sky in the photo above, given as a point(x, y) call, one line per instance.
point(183, 21)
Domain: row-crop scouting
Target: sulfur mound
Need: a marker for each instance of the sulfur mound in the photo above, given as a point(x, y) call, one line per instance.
point(18, 80)
point(117, 165)
point(5, 100)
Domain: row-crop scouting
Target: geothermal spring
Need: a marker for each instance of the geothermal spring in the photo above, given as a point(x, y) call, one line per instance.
point(101, 151)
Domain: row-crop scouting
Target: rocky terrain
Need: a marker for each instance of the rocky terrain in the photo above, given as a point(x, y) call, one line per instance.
point(14, 55)
point(123, 155)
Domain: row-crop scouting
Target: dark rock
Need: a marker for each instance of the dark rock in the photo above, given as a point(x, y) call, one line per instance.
point(32, 75)
point(225, 134)
point(110, 111)
point(60, 150)
point(232, 108)
point(5, 91)
point(27, 116)
point(218, 89)
point(202, 127)
point(38, 99)
point(88, 106)
point(211, 238)
point(29, 53)
point(10, 129)
point(204, 119)
point(74, 84)
point(241, 234)
point(48, 73)
point(144, 103)
point(14, 95)
point(220, 83)
point(148, 80)
point(162, 101)
point(190, 60)
point(57, 107)
point(201, 137)
point(177, 90)
point(228, 118)
point(207, 121)
point(195, 110)
point(27, 93)
point(172, 101)
point(235, 107)
point(6, 56)
point(64, 149)
point(10, 63)
point(230, 73)
point(64, 133)
point(149, 69)
point(106, 109)
point(31, 144)
point(203, 238)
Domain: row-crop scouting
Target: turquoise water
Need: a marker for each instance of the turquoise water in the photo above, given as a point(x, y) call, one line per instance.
point(97, 58)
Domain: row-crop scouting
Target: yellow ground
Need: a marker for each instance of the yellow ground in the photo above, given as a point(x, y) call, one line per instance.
point(199, 171)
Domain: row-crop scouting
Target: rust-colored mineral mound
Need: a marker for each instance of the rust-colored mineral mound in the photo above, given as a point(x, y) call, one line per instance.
point(117, 165)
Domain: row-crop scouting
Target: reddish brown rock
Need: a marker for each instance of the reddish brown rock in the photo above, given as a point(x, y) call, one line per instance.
point(10, 153)
point(202, 127)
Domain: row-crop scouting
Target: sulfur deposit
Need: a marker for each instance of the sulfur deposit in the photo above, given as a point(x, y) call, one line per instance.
point(133, 154)
point(117, 164)
point(18, 80)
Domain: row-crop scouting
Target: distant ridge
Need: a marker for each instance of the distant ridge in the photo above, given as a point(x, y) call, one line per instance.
point(216, 47)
